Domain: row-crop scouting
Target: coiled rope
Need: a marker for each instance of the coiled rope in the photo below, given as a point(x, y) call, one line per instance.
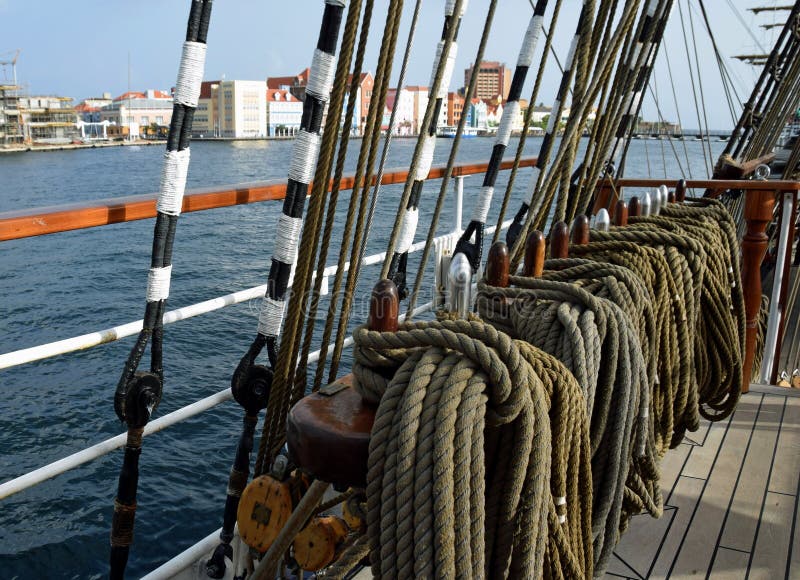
point(593, 337)
point(480, 482)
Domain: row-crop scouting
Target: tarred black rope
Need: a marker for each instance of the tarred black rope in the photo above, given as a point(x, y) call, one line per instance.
point(471, 241)
point(403, 237)
point(138, 393)
point(543, 158)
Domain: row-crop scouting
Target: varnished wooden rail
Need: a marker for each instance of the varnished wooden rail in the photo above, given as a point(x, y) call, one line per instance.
point(50, 220)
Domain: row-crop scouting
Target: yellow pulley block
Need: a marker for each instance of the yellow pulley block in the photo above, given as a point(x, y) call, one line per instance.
point(316, 546)
point(264, 507)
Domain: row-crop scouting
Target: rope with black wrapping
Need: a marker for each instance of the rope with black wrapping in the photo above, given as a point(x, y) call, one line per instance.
point(405, 225)
point(138, 393)
point(251, 385)
point(470, 244)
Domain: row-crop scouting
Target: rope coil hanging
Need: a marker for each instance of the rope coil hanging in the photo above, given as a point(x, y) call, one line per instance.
point(489, 446)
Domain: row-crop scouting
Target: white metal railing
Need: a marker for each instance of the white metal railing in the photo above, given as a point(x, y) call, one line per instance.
point(82, 342)
point(105, 336)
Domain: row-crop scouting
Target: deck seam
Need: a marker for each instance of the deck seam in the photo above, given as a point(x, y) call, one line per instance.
point(766, 491)
point(736, 488)
point(794, 529)
point(733, 549)
point(702, 493)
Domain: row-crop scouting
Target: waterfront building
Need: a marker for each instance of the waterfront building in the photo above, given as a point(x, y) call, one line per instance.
point(130, 114)
point(296, 84)
point(88, 110)
point(284, 112)
point(477, 115)
point(205, 123)
point(10, 115)
point(47, 119)
point(234, 109)
point(455, 108)
point(404, 121)
point(493, 79)
point(419, 100)
point(242, 109)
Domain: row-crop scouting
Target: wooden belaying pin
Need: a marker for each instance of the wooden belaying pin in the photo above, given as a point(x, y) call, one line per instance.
point(621, 213)
point(680, 191)
point(635, 207)
point(384, 307)
point(580, 230)
point(533, 266)
point(671, 196)
point(559, 241)
point(498, 265)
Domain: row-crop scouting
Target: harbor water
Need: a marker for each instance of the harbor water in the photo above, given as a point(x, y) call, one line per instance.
point(62, 285)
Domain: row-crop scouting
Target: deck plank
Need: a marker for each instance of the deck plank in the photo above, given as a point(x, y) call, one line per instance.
point(703, 456)
point(684, 499)
point(772, 546)
point(729, 565)
point(743, 514)
point(787, 456)
point(698, 545)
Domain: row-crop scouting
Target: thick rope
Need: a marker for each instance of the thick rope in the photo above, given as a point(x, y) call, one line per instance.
point(487, 511)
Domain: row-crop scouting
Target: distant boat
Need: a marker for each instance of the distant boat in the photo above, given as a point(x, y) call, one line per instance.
point(450, 132)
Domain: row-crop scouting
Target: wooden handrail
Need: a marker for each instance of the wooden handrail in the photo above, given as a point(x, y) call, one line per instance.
point(50, 220)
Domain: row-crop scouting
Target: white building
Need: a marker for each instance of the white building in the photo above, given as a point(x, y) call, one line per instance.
point(284, 112)
point(241, 109)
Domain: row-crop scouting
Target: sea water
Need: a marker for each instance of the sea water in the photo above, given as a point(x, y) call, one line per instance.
point(57, 286)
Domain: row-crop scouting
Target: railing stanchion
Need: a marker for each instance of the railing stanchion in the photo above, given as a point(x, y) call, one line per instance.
point(776, 305)
point(458, 189)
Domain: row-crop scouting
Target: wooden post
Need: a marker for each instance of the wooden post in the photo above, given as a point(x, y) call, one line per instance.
point(498, 265)
point(605, 196)
point(580, 230)
point(559, 241)
point(621, 214)
point(680, 191)
point(635, 207)
point(671, 197)
point(384, 307)
point(758, 208)
point(534, 255)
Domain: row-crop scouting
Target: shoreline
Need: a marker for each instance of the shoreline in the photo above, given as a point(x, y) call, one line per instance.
point(36, 148)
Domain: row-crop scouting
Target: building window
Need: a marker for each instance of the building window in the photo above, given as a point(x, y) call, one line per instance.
point(160, 120)
point(145, 120)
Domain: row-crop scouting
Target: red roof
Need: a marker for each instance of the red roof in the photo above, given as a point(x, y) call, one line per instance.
point(300, 79)
point(129, 95)
point(84, 108)
point(281, 95)
point(161, 95)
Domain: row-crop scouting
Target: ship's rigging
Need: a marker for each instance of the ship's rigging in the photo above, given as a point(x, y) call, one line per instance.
point(544, 439)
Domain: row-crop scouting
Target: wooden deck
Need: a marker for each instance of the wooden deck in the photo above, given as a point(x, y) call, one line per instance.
point(731, 500)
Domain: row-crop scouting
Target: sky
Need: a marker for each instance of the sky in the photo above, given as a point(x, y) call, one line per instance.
point(83, 49)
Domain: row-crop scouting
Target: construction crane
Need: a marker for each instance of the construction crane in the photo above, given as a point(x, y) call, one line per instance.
point(12, 63)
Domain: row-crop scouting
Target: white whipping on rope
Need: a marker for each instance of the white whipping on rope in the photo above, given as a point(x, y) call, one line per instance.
point(173, 182)
point(190, 74)
point(158, 283)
